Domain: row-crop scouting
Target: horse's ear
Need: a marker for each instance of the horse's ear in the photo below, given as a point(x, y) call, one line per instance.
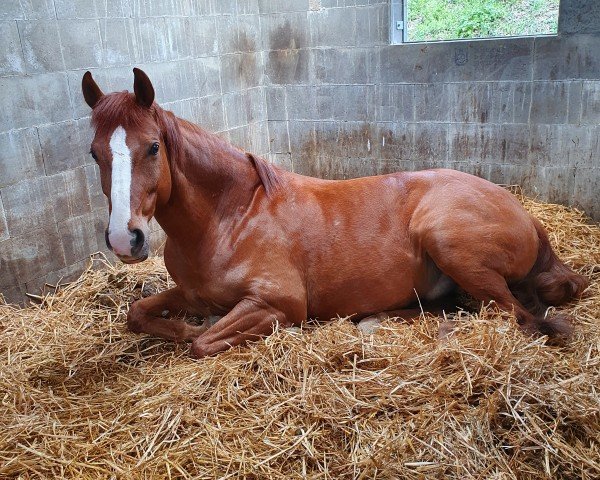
point(91, 90)
point(142, 86)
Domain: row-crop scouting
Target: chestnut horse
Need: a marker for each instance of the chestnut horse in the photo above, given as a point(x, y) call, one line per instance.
point(263, 247)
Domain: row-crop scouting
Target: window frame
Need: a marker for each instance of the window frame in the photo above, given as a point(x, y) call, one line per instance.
point(399, 31)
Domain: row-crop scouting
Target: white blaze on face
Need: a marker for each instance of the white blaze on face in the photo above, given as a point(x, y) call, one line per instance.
point(120, 194)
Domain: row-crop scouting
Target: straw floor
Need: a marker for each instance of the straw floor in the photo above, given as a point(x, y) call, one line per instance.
point(83, 398)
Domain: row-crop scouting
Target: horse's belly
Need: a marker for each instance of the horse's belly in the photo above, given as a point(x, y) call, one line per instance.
point(360, 292)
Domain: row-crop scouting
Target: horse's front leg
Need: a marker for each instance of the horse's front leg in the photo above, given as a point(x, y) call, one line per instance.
point(151, 315)
point(251, 319)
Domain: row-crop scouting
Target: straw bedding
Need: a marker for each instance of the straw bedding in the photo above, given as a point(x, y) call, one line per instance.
point(84, 398)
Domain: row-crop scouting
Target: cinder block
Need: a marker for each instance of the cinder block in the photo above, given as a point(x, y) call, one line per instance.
point(41, 46)
point(12, 10)
point(394, 141)
point(70, 197)
point(283, 67)
point(177, 34)
point(276, 105)
point(78, 237)
point(24, 10)
point(590, 103)
point(579, 16)
point(353, 102)
point(372, 26)
point(568, 57)
point(285, 32)
point(240, 71)
point(332, 27)
point(37, 9)
point(280, 6)
point(238, 109)
point(248, 33)
point(474, 143)
point(4, 235)
point(510, 102)
point(203, 40)
point(430, 144)
point(514, 144)
point(343, 66)
point(86, 9)
point(394, 103)
point(258, 138)
point(97, 199)
point(11, 54)
point(224, 7)
point(33, 255)
point(29, 101)
point(586, 191)
point(28, 206)
point(81, 43)
point(278, 137)
point(550, 102)
point(245, 7)
point(565, 145)
point(21, 156)
point(116, 35)
point(209, 113)
point(62, 147)
point(301, 102)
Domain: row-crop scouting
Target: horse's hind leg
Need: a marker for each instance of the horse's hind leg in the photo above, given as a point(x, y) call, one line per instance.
point(488, 285)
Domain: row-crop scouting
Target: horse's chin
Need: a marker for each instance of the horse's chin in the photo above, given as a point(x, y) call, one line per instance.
point(132, 260)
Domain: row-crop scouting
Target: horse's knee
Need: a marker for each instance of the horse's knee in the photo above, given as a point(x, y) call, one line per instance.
point(135, 317)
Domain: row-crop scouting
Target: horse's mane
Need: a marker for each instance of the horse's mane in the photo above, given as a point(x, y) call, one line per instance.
point(121, 108)
point(267, 173)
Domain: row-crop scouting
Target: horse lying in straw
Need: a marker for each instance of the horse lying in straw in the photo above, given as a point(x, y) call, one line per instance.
point(262, 246)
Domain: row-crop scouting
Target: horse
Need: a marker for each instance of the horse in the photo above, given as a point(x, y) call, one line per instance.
point(265, 248)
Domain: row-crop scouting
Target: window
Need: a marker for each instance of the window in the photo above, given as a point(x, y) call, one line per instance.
point(431, 20)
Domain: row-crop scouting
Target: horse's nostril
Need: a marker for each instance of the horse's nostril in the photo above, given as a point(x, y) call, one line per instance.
point(137, 242)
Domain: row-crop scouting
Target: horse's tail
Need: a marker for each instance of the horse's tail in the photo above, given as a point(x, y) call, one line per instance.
point(549, 283)
point(554, 282)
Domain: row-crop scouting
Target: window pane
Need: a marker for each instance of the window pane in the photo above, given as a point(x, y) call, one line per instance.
point(453, 19)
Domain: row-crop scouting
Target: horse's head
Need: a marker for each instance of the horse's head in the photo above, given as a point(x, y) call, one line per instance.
point(129, 148)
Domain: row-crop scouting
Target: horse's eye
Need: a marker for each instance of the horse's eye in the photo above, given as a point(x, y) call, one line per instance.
point(93, 155)
point(154, 148)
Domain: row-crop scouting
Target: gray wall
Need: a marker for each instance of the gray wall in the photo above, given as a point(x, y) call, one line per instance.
point(342, 102)
point(312, 84)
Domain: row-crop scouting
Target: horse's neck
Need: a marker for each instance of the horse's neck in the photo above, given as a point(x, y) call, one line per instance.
point(210, 180)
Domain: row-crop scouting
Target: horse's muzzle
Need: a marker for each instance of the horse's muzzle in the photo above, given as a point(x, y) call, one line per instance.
point(139, 247)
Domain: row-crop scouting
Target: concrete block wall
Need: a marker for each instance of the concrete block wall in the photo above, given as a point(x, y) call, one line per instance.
point(342, 102)
point(206, 61)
